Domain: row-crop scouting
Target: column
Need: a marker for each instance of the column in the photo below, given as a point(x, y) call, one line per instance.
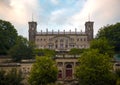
point(74, 64)
point(63, 70)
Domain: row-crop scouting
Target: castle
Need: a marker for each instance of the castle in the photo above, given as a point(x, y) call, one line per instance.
point(61, 41)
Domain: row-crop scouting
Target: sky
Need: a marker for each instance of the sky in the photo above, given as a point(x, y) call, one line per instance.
point(59, 14)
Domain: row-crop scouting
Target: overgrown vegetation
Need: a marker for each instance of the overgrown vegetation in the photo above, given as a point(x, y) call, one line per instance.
point(43, 72)
point(11, 77)
point(112, 34)
point(8, 36)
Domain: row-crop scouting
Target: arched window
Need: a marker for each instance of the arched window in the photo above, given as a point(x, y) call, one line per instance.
point(69, 71)
point(68, 66)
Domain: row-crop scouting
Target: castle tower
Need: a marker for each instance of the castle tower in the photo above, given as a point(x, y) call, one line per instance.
point(32, 30)
point(89, 30)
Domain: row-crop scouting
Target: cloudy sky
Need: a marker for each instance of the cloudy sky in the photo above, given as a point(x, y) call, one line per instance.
point(59, 14)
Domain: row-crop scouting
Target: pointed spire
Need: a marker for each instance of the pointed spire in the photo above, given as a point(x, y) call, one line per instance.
point(41, 31)
point(75, 30)
point(32, 17)
point(70, 31)
point(58, 31)
point(64, 31)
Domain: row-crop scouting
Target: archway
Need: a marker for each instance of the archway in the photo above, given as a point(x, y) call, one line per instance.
point(69, 71)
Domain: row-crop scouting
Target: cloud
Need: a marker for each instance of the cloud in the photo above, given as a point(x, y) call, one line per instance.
point(101, 12)
point(61, 14)
point(57, 16)
point(18, 12)
point(55, 1)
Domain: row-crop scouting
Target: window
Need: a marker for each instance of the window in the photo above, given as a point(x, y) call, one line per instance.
point(81, 39)
point(69, 66)
point(69, 71)
point(61, 45)
point(84, 39)
point(66, 46)
point(37, 40)
point(56, 46)
point(61, 40)
point(50, 46)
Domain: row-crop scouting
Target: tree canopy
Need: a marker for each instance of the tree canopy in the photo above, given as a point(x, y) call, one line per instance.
point(11, 77)
point(45, 52)
point(76, 51)
point(8, 36)
point(112, 34)
point(43, 72)
point(22, 50)
point(95, 69)
point(103, 46)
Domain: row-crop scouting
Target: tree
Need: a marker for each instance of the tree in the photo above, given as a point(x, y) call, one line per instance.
point(45, 52)
point(22, 50)
point(12, 77)
point(43, 71)
point(95, 69)
point(76, 51)
point(112, 34)
point(8, 36)
point(117, 71)
point(2, 77)
point(103, 46)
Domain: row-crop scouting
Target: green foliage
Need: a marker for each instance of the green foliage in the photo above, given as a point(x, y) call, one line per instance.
point(43, 71)
point(45, 52)
point(103, 46)
point(112, 34)
point(22, 50)
point(12, 77)
point(8, 36)
point(118, 81)
point(117, 71)
point(76, 51)
point(94, 69)
point(2, 77)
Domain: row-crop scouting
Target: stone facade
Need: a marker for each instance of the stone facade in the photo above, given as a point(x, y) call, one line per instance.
point(61, 41)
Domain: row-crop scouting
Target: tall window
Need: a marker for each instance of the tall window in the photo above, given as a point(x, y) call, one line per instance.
point(61, 45)
point(61, 40)
point(69, 71)
point(56, 46)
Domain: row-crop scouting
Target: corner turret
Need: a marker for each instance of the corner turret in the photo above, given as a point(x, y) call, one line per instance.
point(32, 30)
point(89, 30)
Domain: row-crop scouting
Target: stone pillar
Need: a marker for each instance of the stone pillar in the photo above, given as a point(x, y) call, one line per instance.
point(64, 31)
point(46, 30)
point(41, 31)
point(74, 64)
point(75, 31)
point(58, 31)
point(64, 71)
